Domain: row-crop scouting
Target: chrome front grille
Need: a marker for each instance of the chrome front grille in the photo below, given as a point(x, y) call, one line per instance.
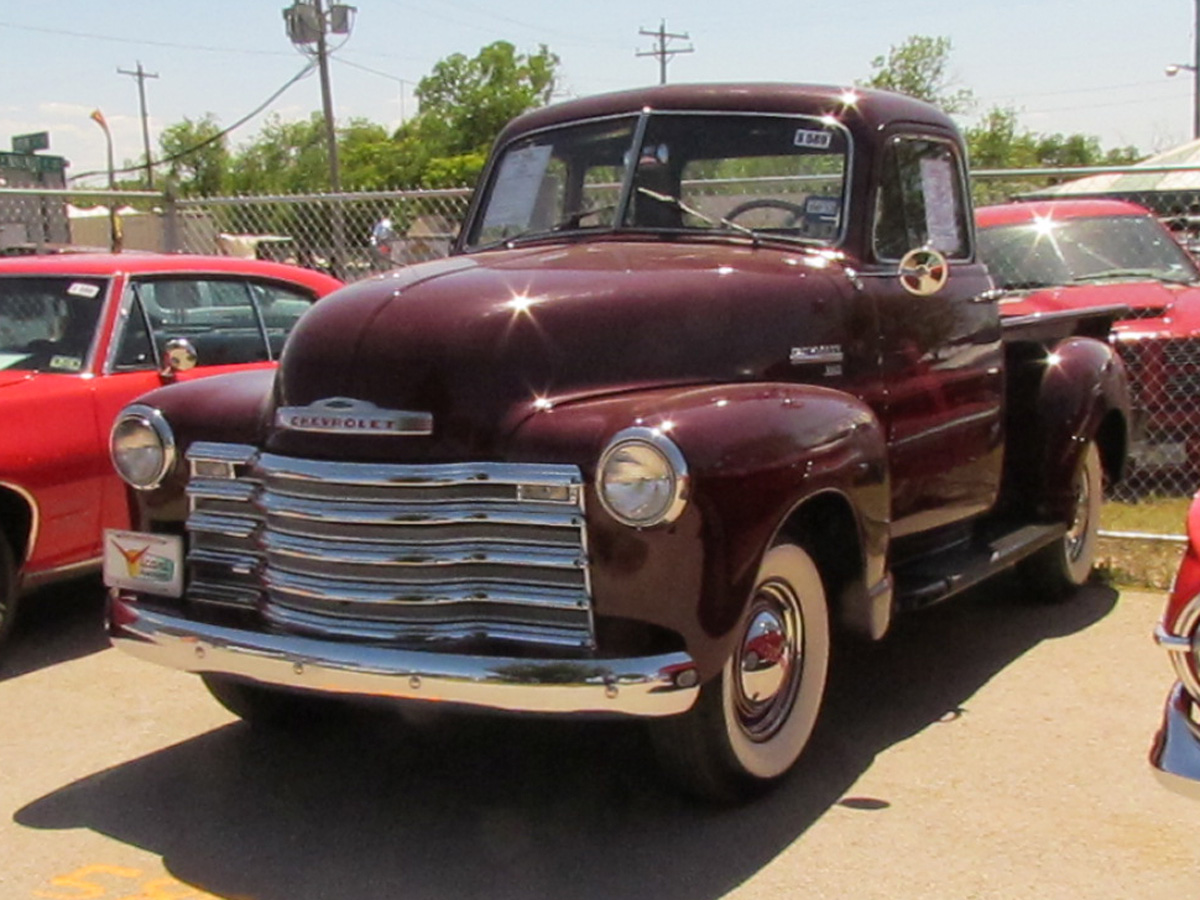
point(391, 552)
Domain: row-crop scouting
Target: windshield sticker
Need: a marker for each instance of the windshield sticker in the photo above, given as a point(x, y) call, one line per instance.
point(941, 209)
point(516, 190)
point(83, 289)
point(819, 140)
point(66, 363)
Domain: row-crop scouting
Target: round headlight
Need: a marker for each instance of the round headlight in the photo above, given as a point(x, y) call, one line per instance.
point(142, 447)
point(642, 478)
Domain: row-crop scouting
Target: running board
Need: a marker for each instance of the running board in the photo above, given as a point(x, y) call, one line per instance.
point(930, 580)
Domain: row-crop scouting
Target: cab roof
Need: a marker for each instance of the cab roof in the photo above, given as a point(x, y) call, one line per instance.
point(853, 106)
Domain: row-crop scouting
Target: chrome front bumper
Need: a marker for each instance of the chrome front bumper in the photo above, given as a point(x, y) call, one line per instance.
point(1175, 754)
point(643, 686)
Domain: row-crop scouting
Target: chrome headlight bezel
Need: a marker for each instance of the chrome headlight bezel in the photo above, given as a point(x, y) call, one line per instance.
point(142, 467)
point(650, 450)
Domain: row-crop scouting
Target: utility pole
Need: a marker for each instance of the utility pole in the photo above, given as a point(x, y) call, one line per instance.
point(141, 75)
point(663, 52)
point(308, 26)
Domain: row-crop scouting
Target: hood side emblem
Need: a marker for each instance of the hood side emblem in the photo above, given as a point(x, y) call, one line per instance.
point(343, 415)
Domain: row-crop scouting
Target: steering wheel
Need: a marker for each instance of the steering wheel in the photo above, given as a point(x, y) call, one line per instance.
point(795, 209)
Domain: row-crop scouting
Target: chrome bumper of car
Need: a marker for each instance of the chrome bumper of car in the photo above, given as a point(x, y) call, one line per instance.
point(1175, 754)
point(644, 686)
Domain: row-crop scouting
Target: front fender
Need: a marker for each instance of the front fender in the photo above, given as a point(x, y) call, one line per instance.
point(234, 408)
point(754, 453)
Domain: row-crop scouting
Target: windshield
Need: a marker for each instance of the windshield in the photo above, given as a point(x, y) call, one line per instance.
point(47, 324)
point(770, 176)
point(1047, 252)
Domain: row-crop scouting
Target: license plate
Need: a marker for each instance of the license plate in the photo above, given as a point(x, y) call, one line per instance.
point(137, 561)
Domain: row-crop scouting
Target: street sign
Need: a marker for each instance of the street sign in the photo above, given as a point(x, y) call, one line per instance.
point(31, 143)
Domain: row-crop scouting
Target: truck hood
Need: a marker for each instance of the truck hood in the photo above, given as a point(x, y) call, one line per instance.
point(481, 342)
point(1160, 309)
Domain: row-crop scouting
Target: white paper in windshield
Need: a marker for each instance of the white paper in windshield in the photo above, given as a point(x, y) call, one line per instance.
point(516, 190)
point(941, 210)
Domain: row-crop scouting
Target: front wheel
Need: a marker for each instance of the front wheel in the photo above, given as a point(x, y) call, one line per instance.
point(1060, 569)
point(752, 721)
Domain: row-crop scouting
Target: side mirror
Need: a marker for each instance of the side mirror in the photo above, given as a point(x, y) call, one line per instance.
point(178, 356)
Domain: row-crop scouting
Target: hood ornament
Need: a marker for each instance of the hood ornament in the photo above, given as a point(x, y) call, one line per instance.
point(343, 415)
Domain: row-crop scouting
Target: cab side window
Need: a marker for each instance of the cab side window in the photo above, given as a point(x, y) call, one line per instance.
point(921, 200)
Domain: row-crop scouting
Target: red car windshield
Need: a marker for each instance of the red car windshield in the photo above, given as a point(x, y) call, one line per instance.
point(48, 324)
point(1046, 252)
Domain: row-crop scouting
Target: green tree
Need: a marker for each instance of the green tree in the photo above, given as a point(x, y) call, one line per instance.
point(465, 102)
point(285, 158)
point(917, 67)
point(197, 154)
point(997, 141)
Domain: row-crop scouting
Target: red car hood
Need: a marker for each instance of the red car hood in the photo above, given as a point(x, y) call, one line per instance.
point(1159, 309)
point(15, 376)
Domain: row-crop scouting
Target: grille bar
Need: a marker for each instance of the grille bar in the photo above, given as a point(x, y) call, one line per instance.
point(391, 552)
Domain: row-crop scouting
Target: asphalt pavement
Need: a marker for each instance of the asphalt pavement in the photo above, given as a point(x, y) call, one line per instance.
point(992, 747)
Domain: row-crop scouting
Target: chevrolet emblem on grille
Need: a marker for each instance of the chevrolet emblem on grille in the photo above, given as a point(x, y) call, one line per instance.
point(343, 415)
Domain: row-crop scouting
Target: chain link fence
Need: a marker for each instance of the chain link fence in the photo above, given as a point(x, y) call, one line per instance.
point(356, 234)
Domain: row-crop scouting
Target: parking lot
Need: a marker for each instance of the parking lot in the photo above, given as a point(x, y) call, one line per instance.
point(989, 748)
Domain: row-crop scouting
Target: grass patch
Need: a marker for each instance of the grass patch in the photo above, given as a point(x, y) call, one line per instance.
point(1136, 562)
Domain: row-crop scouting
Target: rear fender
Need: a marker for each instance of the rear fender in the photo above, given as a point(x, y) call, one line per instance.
point(1080, 394)
point(755, 455)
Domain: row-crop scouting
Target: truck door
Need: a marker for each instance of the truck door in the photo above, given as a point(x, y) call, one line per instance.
point(939, 338)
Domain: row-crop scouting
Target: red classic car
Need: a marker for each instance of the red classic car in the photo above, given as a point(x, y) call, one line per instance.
point(80, 336)
point(1175, 754)
point(1071, 254)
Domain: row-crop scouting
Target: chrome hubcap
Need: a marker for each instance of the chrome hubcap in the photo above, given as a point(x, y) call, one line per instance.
point(768, 661)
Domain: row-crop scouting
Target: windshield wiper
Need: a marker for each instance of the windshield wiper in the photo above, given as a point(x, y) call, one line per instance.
point(566, 223)
point(683, 207)
point(575, 219)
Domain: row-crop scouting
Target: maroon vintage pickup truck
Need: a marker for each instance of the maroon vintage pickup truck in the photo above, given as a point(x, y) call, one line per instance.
point(712, 380)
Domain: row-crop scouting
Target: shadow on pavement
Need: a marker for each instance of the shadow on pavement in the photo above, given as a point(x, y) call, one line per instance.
point(54, 624)
point(507, 808)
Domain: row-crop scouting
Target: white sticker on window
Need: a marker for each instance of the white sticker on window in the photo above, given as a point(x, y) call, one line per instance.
point(941, 206)
point(83, 289)
point(819, 140)
point(516, 189)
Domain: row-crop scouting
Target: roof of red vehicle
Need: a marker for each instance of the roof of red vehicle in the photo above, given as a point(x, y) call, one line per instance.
point(83, 264)
point(1016, 213)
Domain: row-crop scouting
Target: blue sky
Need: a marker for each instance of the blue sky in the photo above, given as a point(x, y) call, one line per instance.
point(1096, 68)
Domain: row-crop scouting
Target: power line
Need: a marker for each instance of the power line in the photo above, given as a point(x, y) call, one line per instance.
point(307, 70)
point(139, 41)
